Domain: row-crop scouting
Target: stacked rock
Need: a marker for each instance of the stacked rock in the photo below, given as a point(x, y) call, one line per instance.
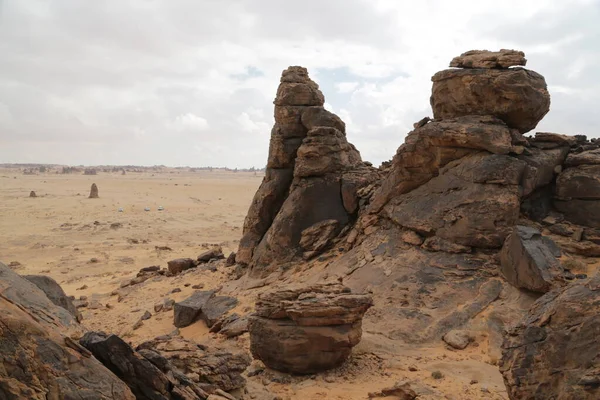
point(308, 155)
point(485, 85)
point(307, 330)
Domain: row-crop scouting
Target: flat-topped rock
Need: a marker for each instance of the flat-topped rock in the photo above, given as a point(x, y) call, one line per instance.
point(489, 59)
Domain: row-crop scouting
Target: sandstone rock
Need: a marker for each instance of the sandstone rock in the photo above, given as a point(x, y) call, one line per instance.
point(94, 192)
point(435, 243)
point(590, 157)
point(411, 237)
point(581, 182)
point(429, 148)
point(188, 311)
point(230, 259)
point(553, 352)
point(458, 339)
point(489, 59)
point(318, 236)
point(32, 194)
point(307, 330)
point(231, 326)
point(563, 140)
point(213, 368)
point(180, 264)
point(517, 96)
point(529, 262)
point(216, 253)
point(540, 167)
point(39, 359)
point(55, 293)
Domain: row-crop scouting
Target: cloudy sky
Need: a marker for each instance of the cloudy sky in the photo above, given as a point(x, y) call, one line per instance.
point(192, 82)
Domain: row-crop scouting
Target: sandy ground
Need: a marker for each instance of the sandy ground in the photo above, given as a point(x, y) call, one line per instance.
point(90, 248)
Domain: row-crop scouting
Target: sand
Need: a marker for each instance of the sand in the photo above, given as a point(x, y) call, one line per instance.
point(90, 247)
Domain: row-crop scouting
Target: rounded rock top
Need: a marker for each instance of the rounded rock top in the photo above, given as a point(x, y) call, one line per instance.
point(486, 59)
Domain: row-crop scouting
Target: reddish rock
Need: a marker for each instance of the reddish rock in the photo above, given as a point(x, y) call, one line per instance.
point(179, 265)
point(489, 59)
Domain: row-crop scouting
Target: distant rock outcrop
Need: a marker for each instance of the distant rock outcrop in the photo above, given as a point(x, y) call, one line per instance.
point(553, 352)
point(94, 192)
point(32, 194)
point(307, 330)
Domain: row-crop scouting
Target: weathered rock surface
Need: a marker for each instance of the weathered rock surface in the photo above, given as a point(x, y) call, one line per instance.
point(55, 293)
point(215, 308)
point(38, 358)
point(210, 368)
point(307, 330)
point(529, 261)
point(458, 339)
point(215, 253)
point(93, 191)
point(489, 59)
point(517, 96)
point(553, 352)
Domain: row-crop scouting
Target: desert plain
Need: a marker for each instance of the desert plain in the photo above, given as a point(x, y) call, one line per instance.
point(90, 247)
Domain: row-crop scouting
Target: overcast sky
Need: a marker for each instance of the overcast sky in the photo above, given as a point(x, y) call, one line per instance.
point(192, 82)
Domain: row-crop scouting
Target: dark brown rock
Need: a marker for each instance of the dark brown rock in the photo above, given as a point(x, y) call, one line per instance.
point(307, 330)
point(517, 96)
point(552, 353)
point(179, 265)
point(94, 192)
point(32, 194)
point(590, 157)
point(489, 59)
point(581, 182)
point(230, 259)
point(188, 311)
point(529, 261)
point(216, 307)
point(540, 169)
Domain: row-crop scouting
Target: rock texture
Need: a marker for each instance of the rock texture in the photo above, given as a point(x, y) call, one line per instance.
point(553, 352)
point(54, 293)
point(529, 261)
point(489, 59)
point(517, 96)
point(93, 192)
point(308, 156)
point(307, 330)
point(38, 358)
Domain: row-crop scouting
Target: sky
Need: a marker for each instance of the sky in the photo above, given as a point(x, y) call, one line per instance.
point(192, 82)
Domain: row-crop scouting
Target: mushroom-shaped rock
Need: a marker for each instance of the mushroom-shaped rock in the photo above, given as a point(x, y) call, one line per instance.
point(307, 330)
point(94, 191)
point(517, 96)
point(552, 353)
point(529, 260)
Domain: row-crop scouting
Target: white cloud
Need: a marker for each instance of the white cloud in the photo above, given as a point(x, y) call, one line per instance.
point(346, 87)
point(190, 121)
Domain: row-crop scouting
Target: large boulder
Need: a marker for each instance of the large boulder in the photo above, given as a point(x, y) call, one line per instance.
point(39, 360)
point(55, 293)
point(552, 353)
point(307, 330)
point(530, 261)
point(517, 96)
point(489, 59)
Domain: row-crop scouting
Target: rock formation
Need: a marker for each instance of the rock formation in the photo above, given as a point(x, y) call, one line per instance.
point(307, 330)
point(32, 194)
point(553, 352)
point(305, 182)
point(54, 293)
point(489, 59)
point(38, 358)
point(94, 192)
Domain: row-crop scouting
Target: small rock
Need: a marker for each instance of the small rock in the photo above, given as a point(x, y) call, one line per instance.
point(179, 265)
point(198, 286)
point(82, 288)
point(138, 324)
point(176, 290)
point(458, 339)
point(146, 316)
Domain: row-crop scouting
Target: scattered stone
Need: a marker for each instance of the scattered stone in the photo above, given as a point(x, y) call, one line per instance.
point(32, 194)
point(307, 330)
point(146, 316)
point(176, 290)
point(216, 307)
point(163, 248)
point(400, 391)
point(458, 339)
point(116, 225)
point(82, 287)
point(138, 324)
point(528, 261)
point(93, 192)
point(180, 264)
point(94, 260)
point(231, 326)
point(198, 286)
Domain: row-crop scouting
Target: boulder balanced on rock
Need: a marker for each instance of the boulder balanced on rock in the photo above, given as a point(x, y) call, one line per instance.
point(307, 330)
